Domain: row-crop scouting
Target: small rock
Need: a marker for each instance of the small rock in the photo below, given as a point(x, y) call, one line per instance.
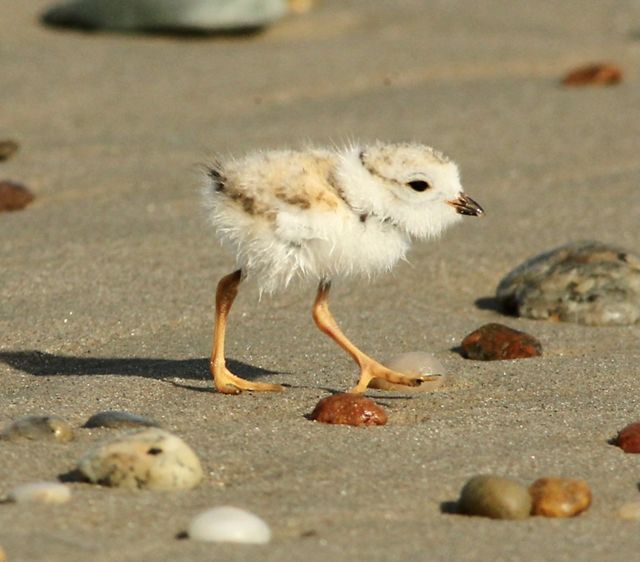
point(14, 196)
point(494, 342)
point(40, 492)
point(38, 428)
point(598, 74)
point(201, 16)
point(8, 148)
point(630, 510)
point(113, 419)
point(150, 458)
point(629, 438)
point(229, 524)
point(495, 497)
point(3, 556)
point(416, 363)
point(559, 497)
point(349, 409)
point(584, 282)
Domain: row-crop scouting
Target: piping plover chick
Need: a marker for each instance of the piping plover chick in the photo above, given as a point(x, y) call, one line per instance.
point(322, 214)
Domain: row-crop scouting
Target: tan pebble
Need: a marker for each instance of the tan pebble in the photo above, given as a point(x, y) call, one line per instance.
point(349, 409)
point(495, 497)
point(151, 458)
point(630, 510)
point(559, 497)
point(3, 556)
point(416, 363)
point(8, 148)
point(40, 492)
point(39, 428)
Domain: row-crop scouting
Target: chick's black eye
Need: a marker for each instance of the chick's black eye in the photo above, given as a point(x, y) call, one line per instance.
point(419, 185)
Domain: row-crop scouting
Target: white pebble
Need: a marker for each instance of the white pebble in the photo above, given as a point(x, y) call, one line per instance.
point(229, 524)
point(151, 458)
point(415, 363)
point(630, 510)
point(41, 492)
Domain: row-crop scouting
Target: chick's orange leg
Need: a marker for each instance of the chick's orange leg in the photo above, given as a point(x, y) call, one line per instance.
point(369, 368)
point(223, 379)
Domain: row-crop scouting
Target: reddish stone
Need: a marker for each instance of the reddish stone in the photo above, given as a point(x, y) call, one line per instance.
point(349, 409)
point(493, 342)
point(14, 196)
point(629, 438)
point(593, 74)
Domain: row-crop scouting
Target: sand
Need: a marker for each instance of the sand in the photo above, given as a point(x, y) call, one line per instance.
point(107, 279)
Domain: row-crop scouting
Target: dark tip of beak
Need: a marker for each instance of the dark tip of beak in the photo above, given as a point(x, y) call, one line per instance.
point(464, 205)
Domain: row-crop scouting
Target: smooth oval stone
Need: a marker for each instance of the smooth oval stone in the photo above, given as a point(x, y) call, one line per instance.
point(628, 438)
point(114, 419)
point(166, 15)
point(40, 492)
point(584, 282)
point(417, 363)
point(229, 524)
point(495, 342)
point(150, 458)
point(8, 148)
point(495, 497)
point(559, 497)
point(630, 510)
point(14, 196)
point(39, 428)
point(349, 409)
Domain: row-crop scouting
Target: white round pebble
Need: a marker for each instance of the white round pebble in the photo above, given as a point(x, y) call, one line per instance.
point(630, 510)
point(151, 458)
point(416, 363)
point(41, 492)
point(229, 524)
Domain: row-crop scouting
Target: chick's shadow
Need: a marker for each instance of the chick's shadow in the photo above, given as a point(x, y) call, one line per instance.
point(47, 364)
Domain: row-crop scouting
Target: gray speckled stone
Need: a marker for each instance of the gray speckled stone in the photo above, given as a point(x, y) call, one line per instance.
point(584, 282)
point(166, 15)
point(38, 428)
point(113, 419)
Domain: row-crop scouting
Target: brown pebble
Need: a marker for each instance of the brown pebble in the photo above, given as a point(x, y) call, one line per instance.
point(598, 74)
point(8, 148)
point(629, 438)
point(349, 409)
point(493, 342)
point(14, 196)
point(559, 497)
point(495, 497)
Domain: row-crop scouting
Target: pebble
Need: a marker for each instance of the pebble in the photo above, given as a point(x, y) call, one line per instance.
point(495, 497)
point(202, 16)
point(629, 438)
point(149, 458)
point(559, 497)
point(229, 524)
point(597, 74)
point(39, 428)
point(3, 556)
point(349, 409)
point(114, 419)
point(8, 148)
point(413, 363)
point(40, 492)
point(583, 282)
point(494, 342)
point(14, 196)
point(630, 510)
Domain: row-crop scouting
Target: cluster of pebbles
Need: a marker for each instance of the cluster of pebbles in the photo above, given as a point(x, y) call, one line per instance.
point(144, 456)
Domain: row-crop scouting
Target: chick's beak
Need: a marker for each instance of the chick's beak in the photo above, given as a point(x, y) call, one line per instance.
point(466, 206)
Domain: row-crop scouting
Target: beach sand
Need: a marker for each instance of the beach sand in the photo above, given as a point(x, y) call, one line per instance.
point(107, 279)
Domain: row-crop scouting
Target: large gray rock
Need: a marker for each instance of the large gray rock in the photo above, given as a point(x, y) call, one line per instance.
point(584, 282)
point(166, 15)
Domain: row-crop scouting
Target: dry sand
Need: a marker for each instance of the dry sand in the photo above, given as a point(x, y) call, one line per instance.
point(107, 279)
